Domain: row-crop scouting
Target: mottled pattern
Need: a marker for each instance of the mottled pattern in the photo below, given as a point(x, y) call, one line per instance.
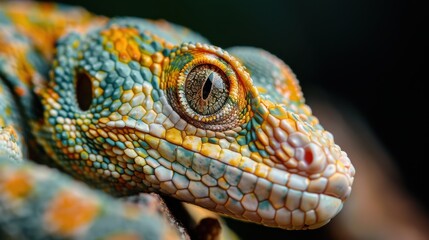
point(258, 154)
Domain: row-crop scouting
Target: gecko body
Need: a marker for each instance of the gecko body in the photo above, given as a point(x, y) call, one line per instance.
point(131, 105)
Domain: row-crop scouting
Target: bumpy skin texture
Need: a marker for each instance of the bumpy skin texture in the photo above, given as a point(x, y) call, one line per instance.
point(255, 153)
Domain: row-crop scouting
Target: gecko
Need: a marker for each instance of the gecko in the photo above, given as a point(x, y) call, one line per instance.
point(95, 108)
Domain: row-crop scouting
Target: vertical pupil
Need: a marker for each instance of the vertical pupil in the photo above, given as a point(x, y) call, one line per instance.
point(208, 86)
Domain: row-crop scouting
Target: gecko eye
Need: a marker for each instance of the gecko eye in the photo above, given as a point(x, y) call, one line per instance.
point(204, 85)
point(206, 89)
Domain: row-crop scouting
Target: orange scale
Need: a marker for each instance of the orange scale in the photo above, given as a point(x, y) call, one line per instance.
point(18, 185)
point(69, 212)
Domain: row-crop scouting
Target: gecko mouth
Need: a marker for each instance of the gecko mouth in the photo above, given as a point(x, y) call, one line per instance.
point(272, 201)
point(278, 199)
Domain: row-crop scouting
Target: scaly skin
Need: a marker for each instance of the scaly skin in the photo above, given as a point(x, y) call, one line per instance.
point(242, 143)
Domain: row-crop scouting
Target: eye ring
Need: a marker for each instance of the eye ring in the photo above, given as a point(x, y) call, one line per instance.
point(182, 62)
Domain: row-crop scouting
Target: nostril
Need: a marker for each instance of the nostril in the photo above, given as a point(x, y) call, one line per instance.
point(308, 156)
point(311, 157)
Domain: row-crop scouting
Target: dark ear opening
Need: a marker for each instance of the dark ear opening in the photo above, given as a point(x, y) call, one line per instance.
point(83, 90)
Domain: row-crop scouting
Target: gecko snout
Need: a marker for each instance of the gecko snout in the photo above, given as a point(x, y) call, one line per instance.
point(305, 149)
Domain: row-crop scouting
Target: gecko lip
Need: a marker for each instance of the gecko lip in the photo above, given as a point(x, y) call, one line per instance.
point(328, 208)
point(340, 182)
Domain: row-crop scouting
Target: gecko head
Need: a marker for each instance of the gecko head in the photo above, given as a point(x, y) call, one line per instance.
point(226, 130)
point(285, 169)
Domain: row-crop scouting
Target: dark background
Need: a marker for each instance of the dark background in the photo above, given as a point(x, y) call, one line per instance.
point(367, 53)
